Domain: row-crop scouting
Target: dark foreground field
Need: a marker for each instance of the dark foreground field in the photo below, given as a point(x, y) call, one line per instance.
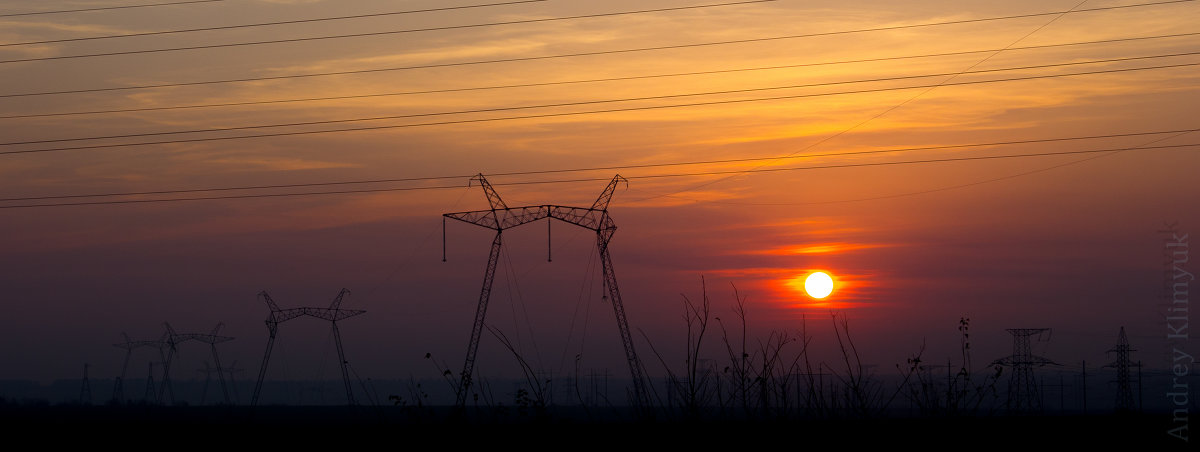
point(613, 426)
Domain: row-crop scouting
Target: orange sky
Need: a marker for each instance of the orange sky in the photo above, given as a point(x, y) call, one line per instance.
point(1062, 241)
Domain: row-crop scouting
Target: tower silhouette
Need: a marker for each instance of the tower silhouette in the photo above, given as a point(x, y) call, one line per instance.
point(151, 396)
point(500, 217)
point(174, 339)
point(85, 389)
point(1023, 394)
point(1124, 396)
point(129, 346)
point(333, 313)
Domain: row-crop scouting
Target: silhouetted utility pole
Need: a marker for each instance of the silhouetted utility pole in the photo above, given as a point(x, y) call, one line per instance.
point(501, 217)
point(1124, 396)
point(333, 313)
point(1023, 396)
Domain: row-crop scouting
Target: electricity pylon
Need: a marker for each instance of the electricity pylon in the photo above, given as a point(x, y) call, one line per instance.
point(171, 344)
point(151, 396)
point(212, 339)
point(173, 340)
point(1124, 401)
point(85, 389)
point(501, 217)
point(129, 345)
point(208, 371)
point(333, 313)
point(1023, 394)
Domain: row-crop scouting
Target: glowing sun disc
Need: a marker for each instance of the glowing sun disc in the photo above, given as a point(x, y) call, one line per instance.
point(818, 285)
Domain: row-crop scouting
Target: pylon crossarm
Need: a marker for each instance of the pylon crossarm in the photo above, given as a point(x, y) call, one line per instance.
point(485, 218)
point(501, 218)
point(332, 315)
point(284, 315)
point(587, 218)
point(516, 216)
point(201, 337)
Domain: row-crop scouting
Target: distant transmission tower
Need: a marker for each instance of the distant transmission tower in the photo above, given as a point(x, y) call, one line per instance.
point(85, 389)
point(333, 313)
point(151, 396)
point(1023, 396)
point(208, 372)
point(129, 345)
point(232, 370)
point(211, 338)
point(172, 343)
point(173, 340)
point(1124, 401)
point(501, 217)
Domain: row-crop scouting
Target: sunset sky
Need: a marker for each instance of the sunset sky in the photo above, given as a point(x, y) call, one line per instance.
point(830, 136)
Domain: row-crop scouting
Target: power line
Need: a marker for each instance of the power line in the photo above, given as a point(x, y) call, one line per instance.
point(536, 84)
point(565, 104)
point(380, 33)
point(648, 176)
point(927, 90)
point(267, 24)
point(545, 115)
point(64, 11)
point(606, 168)
point(567, 55)
point(1178, 133)
point(910, 162)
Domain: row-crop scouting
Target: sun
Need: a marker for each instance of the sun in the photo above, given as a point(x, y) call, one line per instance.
point(818, 285)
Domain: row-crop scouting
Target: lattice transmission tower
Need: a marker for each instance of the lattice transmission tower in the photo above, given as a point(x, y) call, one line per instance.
point(1023, 394)
point(85, 389)
point(173, 340)
point(333, 314)
point(1124, 396)
point(501, 217)
point(118, 395)
point(208, 372)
